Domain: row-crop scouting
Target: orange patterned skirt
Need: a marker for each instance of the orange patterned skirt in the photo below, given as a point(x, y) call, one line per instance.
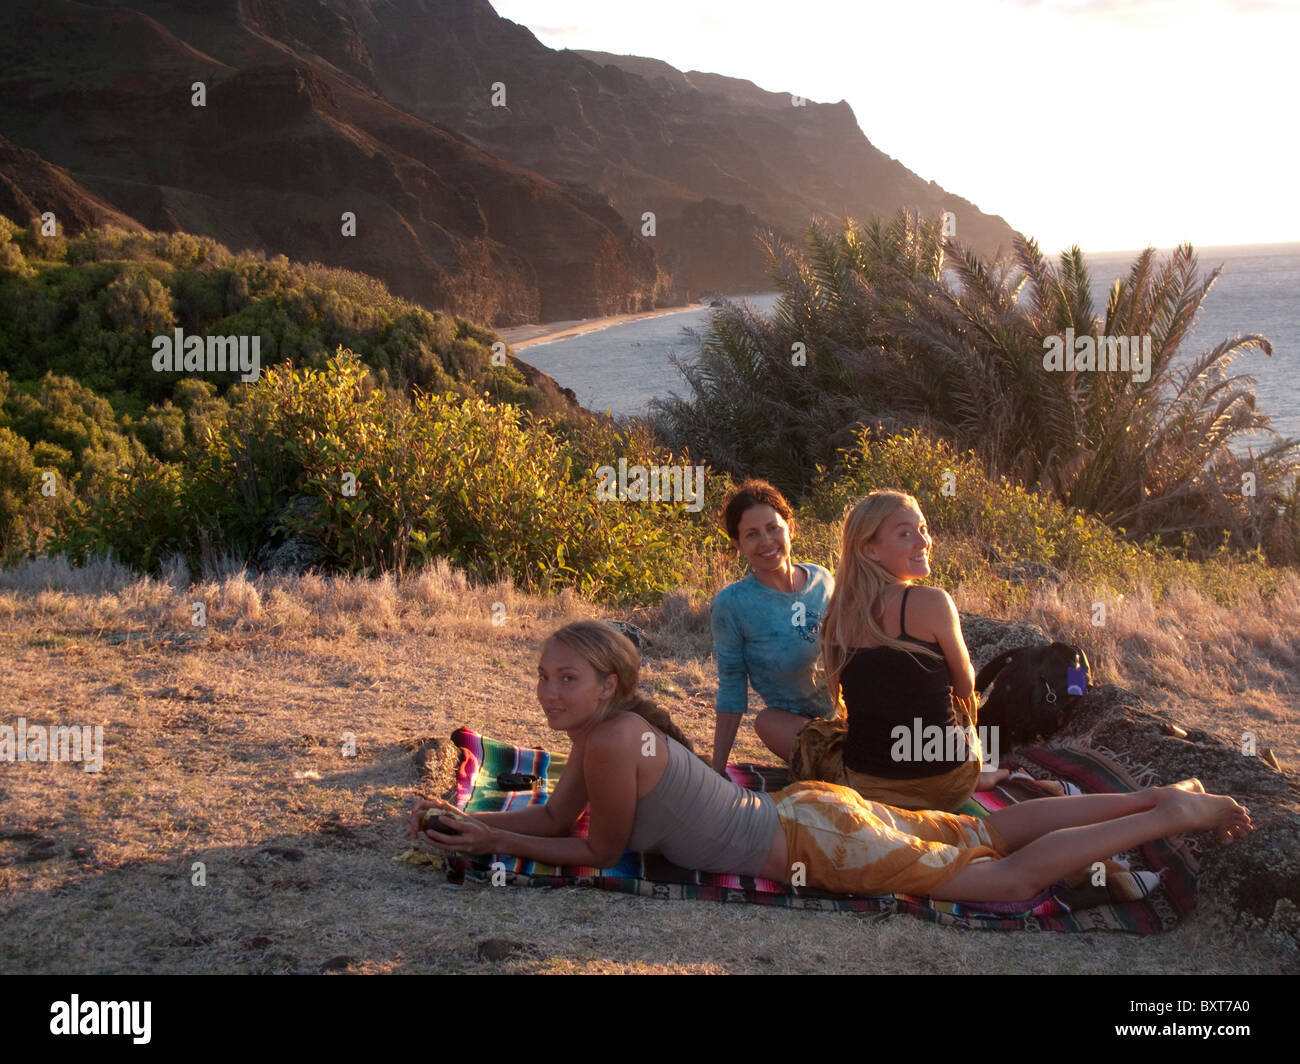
point(849, 845)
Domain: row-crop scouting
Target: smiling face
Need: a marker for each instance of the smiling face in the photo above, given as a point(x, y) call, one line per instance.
point(902, 545)
point(570, 690)
point(763, 539)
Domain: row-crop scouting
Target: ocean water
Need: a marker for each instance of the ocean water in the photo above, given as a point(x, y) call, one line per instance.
point(622, 367)
point(1258, 291)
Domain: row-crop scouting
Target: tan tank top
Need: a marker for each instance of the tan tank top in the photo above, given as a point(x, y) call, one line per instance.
point(699, 820)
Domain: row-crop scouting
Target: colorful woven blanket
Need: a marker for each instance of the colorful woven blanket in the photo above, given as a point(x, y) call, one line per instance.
point(1058, 908)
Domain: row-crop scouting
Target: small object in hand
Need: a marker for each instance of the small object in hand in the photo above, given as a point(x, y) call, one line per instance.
point(436, 822)
point(516, 781)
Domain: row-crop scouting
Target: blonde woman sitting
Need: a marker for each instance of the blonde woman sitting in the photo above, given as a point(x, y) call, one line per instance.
point(896, 662)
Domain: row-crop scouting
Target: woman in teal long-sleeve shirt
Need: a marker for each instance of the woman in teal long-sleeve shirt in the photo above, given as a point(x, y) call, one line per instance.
point(765, 627)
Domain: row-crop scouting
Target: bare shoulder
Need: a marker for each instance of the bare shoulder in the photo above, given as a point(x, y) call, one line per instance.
point(619, 733)
point(927, 596)
point(931, 609)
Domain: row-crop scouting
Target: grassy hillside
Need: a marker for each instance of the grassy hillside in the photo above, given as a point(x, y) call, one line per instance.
point(224, 745)
point(100, 452)
point(474, 529)
point(412, 446)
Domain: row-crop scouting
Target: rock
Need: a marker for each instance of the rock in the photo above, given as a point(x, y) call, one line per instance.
point(499, 949)
point(1257, 877)
point(986, 637)
point(1031, 573)
point(551, 395)
point(437, 761)
point(282, 551)
point(639, 639)
point(337, 964)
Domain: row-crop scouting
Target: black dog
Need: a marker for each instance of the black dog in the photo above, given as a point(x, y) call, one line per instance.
point(1031, 696)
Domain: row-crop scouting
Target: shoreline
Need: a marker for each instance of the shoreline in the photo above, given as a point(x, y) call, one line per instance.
point(519, 337)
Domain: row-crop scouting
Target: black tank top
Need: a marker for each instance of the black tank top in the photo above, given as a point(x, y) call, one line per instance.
point(885, 687)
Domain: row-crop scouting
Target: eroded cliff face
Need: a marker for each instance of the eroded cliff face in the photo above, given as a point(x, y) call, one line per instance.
point(284, 143)
point(29, 186)
point(488, 175)
point(691, 147)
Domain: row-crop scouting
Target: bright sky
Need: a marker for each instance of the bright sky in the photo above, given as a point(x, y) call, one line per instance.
point(1112, 124)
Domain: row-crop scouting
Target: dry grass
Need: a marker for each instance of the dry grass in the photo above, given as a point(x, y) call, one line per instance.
point(1228, 670)
point(223, 745)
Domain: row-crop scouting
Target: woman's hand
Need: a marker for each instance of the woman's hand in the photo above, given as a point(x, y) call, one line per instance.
point(462, 834)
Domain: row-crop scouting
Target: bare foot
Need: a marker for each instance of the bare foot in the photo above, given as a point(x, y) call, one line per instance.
point(1195, 810)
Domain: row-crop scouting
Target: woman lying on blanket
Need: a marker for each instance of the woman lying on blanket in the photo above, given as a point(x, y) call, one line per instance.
point(647, 791)
point(895, 658)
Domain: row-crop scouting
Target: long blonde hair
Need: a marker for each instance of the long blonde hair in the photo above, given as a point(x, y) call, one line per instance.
point(859, 584)
point(610, 652)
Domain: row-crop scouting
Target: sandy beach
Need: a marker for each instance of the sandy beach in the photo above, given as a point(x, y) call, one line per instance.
point(521, 336)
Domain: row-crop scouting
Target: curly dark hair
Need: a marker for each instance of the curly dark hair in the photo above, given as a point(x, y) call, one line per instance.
point(751, 493)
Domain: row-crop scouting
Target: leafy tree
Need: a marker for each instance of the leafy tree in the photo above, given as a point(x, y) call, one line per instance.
point(903, 328)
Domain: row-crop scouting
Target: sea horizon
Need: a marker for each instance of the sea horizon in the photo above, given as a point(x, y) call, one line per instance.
point(1198, 248)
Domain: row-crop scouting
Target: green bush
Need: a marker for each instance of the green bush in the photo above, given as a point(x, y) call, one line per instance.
point(20, 482)
point(489, 487)
point(957, 497)
point(88, 308)
point(132, 510)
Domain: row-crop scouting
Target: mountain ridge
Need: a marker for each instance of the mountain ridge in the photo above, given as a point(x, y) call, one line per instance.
point(536, 209)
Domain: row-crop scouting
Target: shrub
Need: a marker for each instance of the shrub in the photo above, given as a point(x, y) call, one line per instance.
point(133, 511)
point(958, 498)
point(492, 489)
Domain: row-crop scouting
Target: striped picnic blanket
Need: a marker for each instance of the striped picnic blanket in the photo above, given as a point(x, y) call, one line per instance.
point(1058, 908)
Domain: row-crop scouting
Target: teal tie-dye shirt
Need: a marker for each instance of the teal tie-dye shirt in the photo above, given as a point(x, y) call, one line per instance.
point(758, 641)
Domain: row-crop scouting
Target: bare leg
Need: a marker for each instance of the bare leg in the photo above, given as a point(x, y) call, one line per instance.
point(777, 729)
point(1038, 862)
point(991, 777)
point(1023, 822)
